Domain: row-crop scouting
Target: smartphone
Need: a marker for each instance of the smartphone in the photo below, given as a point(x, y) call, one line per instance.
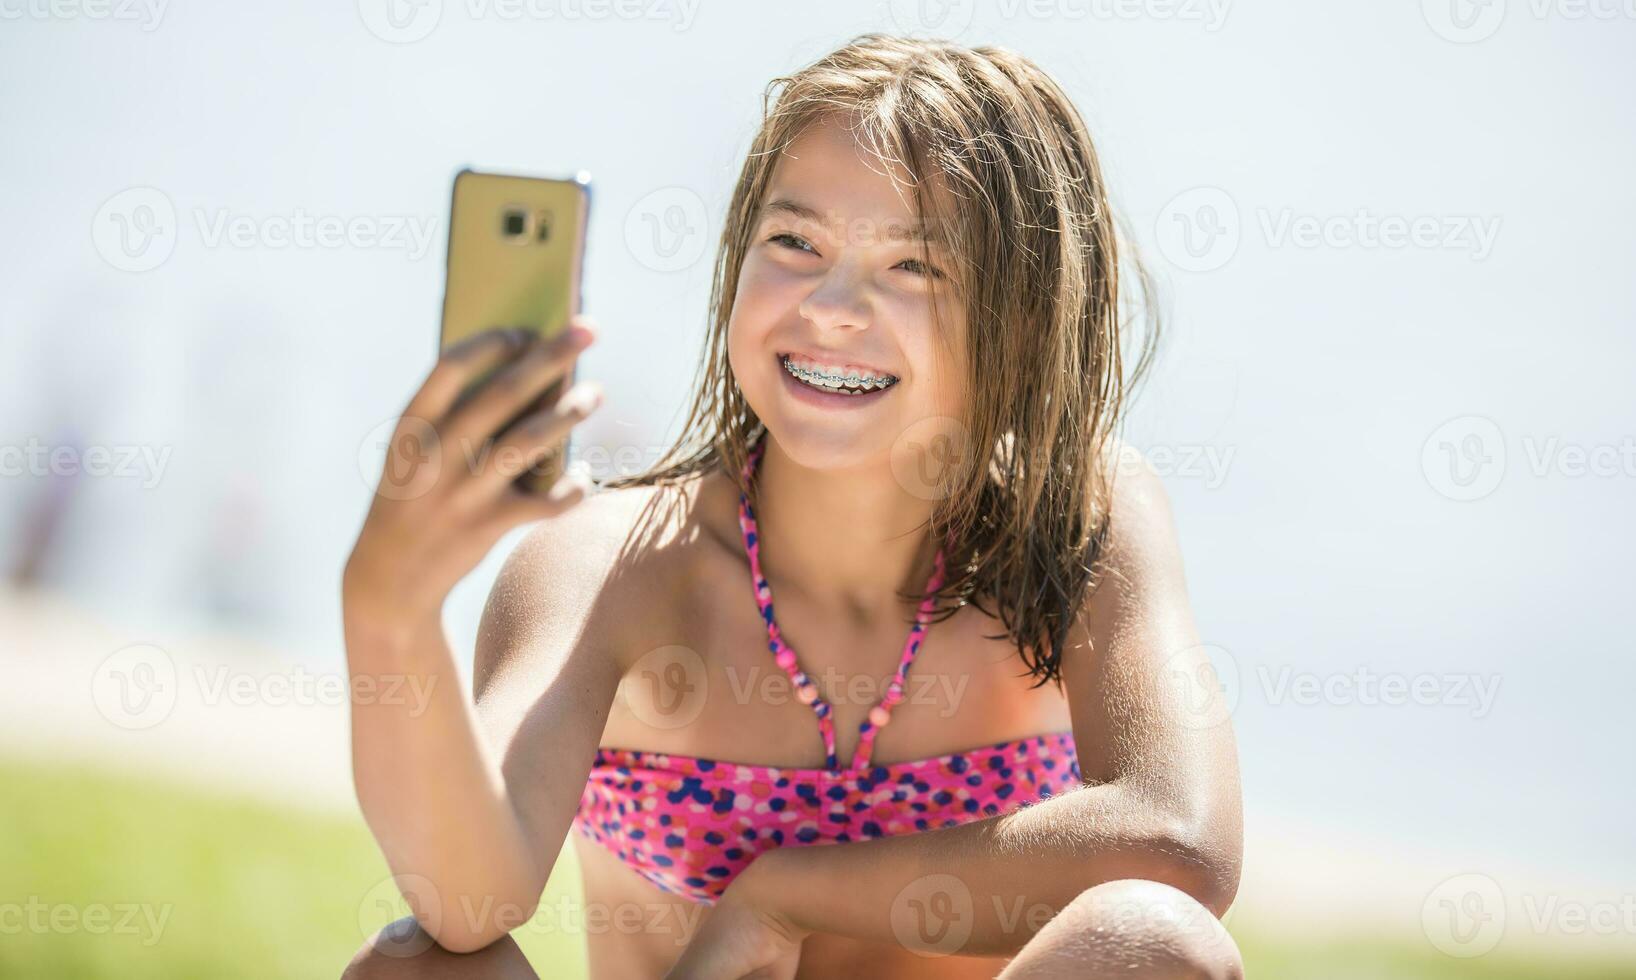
point(516, 258)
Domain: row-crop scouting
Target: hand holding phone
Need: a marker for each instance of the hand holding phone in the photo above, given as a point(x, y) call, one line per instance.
point(481, 447)
point(448, 492)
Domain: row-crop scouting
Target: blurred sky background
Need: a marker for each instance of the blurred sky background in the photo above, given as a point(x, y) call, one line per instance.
point(1412, 458)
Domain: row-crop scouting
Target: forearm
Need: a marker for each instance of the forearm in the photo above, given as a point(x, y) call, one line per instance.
point(1005, 876)
point(429, 790)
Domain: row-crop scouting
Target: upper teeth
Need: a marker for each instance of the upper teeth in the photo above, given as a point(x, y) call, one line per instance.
point(832, 377)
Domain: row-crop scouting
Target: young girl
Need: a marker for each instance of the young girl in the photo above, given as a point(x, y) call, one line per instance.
point(887, 668)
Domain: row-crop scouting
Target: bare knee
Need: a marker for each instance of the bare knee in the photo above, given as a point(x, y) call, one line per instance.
point(402, 950)
point(1164, 932)
point(1132, 928)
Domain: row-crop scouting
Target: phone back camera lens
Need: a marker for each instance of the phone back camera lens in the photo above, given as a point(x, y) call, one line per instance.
point(514, 223)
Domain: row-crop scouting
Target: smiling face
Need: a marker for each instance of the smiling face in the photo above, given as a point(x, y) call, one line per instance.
point(834, 296)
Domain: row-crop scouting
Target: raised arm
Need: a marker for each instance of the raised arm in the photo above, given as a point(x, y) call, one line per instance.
point(544, 678)
point(469, 808)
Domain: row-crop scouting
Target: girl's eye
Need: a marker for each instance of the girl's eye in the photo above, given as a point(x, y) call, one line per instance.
point(920, 268)
point(799, 244)
point(791, 241)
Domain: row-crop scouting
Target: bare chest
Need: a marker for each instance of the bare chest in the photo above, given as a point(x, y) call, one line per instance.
point(703, 680)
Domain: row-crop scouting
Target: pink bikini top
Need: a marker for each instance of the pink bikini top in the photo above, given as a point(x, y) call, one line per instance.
point(690, 825)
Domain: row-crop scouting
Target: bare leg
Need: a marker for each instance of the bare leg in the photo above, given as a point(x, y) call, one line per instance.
point(402, 949)
point(1130, 929)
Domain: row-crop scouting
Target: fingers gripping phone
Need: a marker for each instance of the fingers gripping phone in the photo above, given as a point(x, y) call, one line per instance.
point(516, 258)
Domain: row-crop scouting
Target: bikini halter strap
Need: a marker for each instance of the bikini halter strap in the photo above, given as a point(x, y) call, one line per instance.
point(805, 689)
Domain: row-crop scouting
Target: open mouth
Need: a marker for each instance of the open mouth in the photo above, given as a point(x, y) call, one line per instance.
point(848, 382)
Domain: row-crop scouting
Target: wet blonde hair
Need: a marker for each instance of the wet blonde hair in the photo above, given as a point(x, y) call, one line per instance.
point(1038, 261)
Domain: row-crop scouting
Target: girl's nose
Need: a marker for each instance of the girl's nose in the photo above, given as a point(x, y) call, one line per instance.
point(840, 300)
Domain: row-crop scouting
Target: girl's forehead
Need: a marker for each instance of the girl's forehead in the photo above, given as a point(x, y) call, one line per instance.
point(832, 176)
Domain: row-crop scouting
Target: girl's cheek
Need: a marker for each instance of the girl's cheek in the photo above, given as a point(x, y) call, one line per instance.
point(773, 283)
point(939, 371)
point(755, 304)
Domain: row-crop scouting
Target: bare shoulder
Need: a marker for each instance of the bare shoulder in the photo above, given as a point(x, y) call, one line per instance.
point(1141, 543)
point(1137, 597)
point(611, 566)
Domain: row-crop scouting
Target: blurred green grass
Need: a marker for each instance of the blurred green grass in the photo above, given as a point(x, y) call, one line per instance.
point(252, 890)
point(246, 889)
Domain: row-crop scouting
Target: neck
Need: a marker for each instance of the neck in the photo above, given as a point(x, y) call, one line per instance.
point(848, 539)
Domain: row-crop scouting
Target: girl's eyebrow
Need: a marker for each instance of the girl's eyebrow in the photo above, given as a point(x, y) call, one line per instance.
point(784, 205)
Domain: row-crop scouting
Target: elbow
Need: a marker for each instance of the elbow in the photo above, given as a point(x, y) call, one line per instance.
point(1213, 884)
point(465, 917)
point(1197, 850)
point(1201, 857)
point(465, 926)
point(459, 909)
point(464, 942)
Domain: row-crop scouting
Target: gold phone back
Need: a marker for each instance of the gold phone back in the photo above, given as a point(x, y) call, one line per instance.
point(516, 246)
point(514, 254)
